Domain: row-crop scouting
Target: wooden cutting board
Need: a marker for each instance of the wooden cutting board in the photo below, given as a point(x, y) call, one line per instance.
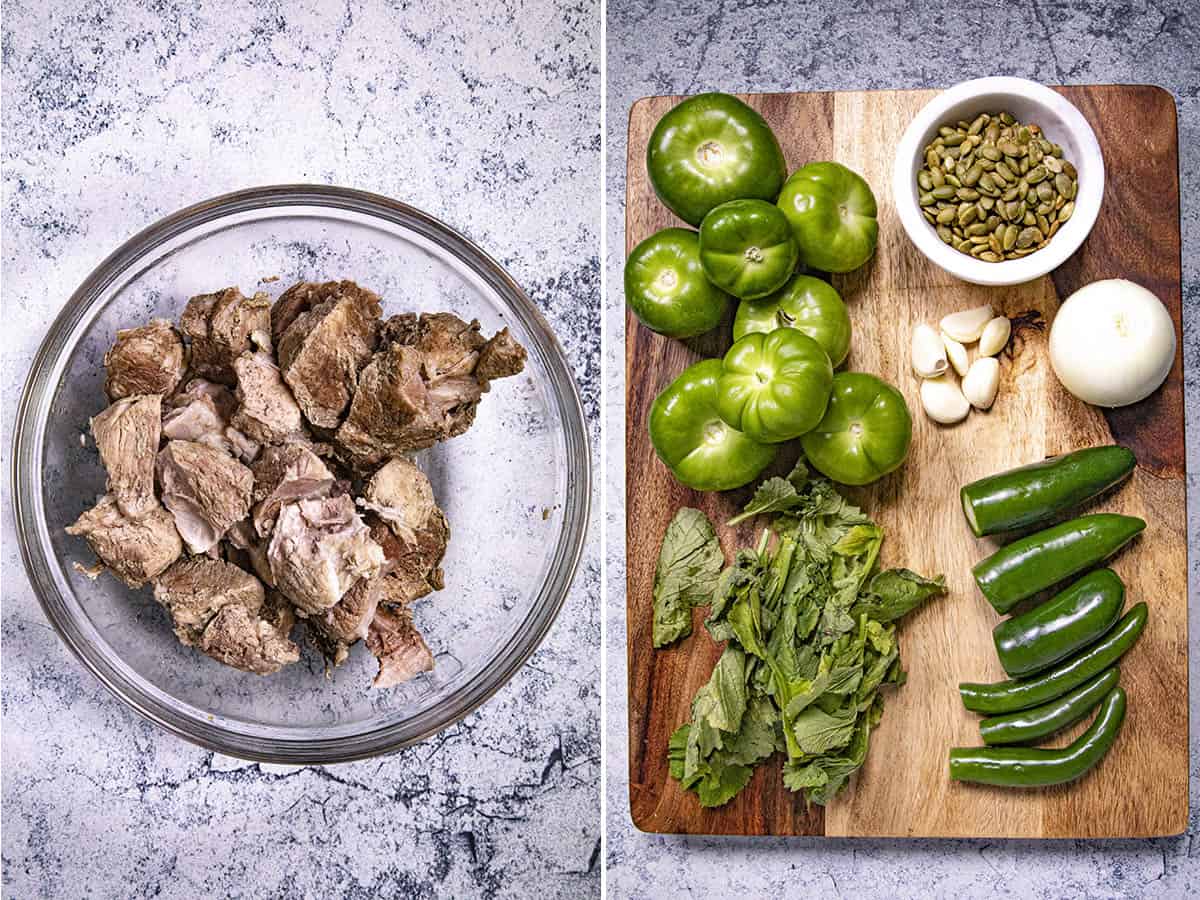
point(1141, 788)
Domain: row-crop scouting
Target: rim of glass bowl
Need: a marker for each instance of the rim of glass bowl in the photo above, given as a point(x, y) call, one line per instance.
point(280, 744)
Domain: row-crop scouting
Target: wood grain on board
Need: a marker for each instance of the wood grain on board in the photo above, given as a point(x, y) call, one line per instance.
point(903, 790)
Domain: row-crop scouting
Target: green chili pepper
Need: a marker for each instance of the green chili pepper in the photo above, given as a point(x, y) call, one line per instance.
point(1029, 725)
point(1010, 696)
point(1039, 767)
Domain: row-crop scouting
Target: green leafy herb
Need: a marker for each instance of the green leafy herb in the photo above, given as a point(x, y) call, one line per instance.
point(689, 565)
point(811, 641)
point(775, 495)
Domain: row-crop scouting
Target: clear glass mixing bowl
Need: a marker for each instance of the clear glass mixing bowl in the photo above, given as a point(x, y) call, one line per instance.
point(515, 487)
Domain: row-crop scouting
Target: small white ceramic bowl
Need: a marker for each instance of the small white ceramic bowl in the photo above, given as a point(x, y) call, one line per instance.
point(1028, 101)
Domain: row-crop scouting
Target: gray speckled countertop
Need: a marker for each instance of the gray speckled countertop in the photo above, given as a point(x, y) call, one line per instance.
point(667, 48)
point(116, 114)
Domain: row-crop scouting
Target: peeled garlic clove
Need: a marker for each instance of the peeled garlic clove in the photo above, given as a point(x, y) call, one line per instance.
point(966, 326)
point(981, 382)
point(943, 401)
point(995, 336)
point(928, 352)
point(957, 354)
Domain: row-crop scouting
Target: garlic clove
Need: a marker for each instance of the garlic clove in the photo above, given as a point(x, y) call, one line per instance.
point(957, 354)
point(981, 382)
point(966, 326)
point(995, 336)
point(928, 352)
point(943, 401)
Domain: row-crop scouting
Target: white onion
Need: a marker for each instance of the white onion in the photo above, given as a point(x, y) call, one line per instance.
point(1112, 343)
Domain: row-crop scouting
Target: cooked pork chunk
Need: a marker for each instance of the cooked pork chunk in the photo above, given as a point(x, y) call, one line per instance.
point(223, 326)
point(223, 611)
point(282, 474)
point(323, 349)
point(400, 495)
point(423, 387)
point(267, 412)
point(391, 411)
point(206, 491)
point(319, 549)
point(500, 357)
point(127, 435)
point(399, 647)
point(135, 550)
point(299, 299)
point(346, 622)
point(145, 360)
point(196, 588)
point(238, 638)
point(201, 414)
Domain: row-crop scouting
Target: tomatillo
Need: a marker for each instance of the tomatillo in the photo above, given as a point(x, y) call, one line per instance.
point(709, 149)
point(775, 386)
point(865, 433)
point(666, 288)
point(832, 211)
point(805, 303)
point(695, 444)
point(747, 248)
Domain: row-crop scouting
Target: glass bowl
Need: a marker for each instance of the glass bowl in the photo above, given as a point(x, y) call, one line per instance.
point(515, 487)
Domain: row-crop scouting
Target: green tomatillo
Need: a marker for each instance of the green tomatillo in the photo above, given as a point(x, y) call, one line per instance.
point(695, 444)
point(832, 211)
point(666, 288)
point(709, 149)
point(747, 248)
point(805, 303)
point(774, 387)
point(865, 433)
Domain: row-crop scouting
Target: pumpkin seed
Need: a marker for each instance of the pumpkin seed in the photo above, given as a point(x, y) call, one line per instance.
point(1054, 229)
point(926, 199)
point(1069, 171)
point(932, 158)
point(1004, 172)
point(988, 203)
point(967, 216)
point(944, 233)
point(1027, 238)
point(1043, 224)
point(976, 229)
point(963, 246)
point(977, 125)
point(989, 151)
point(1064, 186)
point(1023, 135)
point(945, 192)
point(1045, 192)
point(954, 180)
point(990, 256)
point(1010, 148)
point(1029, 219)
point(1010, 237)
point(1052, 163)
point(1036, 174)
point(1066, 211)
point(946, 216)
point(972, 176)
point(1007, 118)
point(994, 243)
point(966, 193)
point(937, 176)
point(924, 180)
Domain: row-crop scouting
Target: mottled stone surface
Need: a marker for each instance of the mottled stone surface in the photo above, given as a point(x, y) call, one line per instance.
point(666, 48)
point(116, 114)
